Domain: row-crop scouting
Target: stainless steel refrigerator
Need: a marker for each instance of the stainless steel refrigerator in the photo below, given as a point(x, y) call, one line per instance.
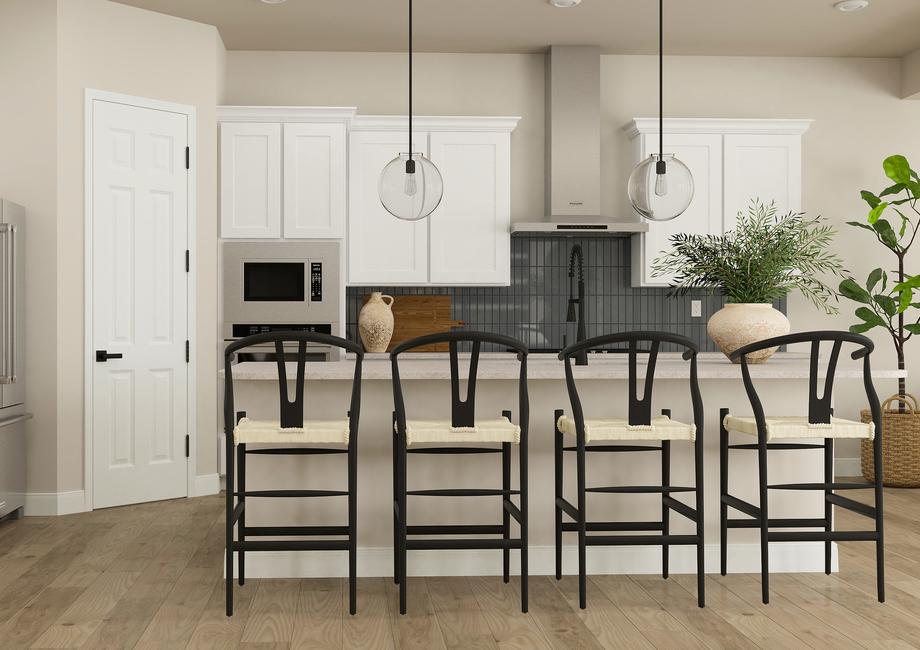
point(13, 412)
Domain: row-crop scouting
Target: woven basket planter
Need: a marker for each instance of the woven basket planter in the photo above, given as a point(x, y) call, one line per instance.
point(900, 444)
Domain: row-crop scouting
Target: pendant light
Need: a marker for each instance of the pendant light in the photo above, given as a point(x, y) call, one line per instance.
point(410, 186)
point(661, 186)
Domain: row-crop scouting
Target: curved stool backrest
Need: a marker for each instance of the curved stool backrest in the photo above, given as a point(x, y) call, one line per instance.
point(819, 406)
point(462, 411)
point(291, 411)
point(640, 410)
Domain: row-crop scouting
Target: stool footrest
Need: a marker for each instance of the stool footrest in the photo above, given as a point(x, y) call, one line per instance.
point(615, 448)
point(469, 492)
point(822, 486)
point(779, 446)
point(639, 489)
point(777, 523)
point(461, 544)
point(639, 540)
point(440, 529)
point(824, 536)
point(291, 531)
point(295, 451)
point(454, 450)
point(613, 526)
point(292, 493)
point(292, 545)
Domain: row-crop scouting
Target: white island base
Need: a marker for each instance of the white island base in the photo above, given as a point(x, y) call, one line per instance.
point(782, 384)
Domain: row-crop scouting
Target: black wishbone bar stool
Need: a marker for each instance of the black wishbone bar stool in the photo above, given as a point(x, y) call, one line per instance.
point(775, 433)
point(640, 425)
point(275, 437)
point(454, 436)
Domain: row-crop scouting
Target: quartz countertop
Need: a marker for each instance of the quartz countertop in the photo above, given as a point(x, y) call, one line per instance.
point(501, 365)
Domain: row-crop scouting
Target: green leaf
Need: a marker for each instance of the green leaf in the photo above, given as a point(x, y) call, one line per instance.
point(883, 228)
point(869, 316)
point(877, 211)
point(887, 303)
point(906, 296)
point(861, 327)
point(914, 187)
point(873, 280)
point(850, 289)
point(912, 282)
point(913, 328)
point(892, 189)
point(897, 169)
point(870, 198)
point(859, 224)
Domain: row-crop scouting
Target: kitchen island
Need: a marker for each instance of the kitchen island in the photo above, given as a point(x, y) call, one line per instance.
point(782, 383)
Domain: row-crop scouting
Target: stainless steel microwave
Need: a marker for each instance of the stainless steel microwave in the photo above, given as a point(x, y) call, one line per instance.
point(296, 283)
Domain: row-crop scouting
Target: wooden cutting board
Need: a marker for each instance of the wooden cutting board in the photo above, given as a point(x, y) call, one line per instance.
point(419, 315)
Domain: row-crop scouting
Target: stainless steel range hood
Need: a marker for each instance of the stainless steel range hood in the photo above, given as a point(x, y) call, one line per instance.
point(573, 148)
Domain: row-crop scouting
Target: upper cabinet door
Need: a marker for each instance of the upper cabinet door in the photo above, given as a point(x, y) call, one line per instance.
point(381, 248)
point(470, 230)
point(250, 180)
point(702, 153)
point(762, 166)
point(314, 181)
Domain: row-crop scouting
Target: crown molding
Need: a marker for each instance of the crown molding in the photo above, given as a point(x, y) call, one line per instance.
point(335, 114)
point(435, 123)
point(642, 125)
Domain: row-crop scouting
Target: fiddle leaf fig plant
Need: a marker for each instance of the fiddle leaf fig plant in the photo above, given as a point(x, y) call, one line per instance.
point(887, 297)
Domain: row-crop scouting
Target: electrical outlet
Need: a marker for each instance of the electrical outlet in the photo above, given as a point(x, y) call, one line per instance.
point(696, 308)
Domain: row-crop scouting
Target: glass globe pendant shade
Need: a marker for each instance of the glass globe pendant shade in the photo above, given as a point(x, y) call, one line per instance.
point(410, 187)
point(660, 196)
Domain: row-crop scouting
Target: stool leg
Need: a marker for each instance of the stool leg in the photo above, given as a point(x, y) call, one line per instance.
point(558, 464)
point(723, 492)
point(395, 503)
point(403, 517)
point(665, 511)
point(352, 527)
point(506, 517)
point(828, 507)
point(582, 525)
point(523, 478)
point(700, 522)
point(879, 516)
point(228, 578)
point(764, 520)
point(241, 533)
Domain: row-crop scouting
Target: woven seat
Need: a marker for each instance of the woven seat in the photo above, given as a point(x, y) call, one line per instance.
point(270, 432)
point(441, 431)
point(795, 427)
point(661, 428)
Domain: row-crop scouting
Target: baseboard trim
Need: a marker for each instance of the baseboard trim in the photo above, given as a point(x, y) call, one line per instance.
point(847, 467)
point(49, 504)
point(795, 557)
point(206, 484)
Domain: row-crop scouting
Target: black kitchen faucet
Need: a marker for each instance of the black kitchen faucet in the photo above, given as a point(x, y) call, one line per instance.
point(581, 358)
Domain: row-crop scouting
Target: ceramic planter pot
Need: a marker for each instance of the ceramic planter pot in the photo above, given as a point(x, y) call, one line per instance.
point(375, 322)
point(738, 324)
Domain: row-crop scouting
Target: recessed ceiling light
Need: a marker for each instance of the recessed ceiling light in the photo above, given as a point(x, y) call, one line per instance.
point(565, 4)
point(273, 2)
point(851, 5)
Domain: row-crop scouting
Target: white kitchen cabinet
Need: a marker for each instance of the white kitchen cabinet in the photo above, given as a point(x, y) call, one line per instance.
point(732, 162)
point(314, 181)
point(466, 240)
point(250, 180)
point(469, 233)
point(381, 248)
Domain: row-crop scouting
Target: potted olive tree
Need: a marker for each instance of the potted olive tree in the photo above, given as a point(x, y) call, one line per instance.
point(758, 262)
point(887, 301)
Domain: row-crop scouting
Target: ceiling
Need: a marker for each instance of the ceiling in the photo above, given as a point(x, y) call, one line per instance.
point(701, 27)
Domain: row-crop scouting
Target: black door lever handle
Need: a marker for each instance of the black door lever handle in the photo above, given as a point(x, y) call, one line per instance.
point(102, 356)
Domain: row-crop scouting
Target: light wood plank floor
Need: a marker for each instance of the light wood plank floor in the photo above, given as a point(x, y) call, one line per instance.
point(149, 576)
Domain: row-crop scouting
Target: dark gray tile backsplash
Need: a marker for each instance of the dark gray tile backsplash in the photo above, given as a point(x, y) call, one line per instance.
point(533, 309)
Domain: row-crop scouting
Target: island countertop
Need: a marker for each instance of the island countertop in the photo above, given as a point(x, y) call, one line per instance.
point(502, 365)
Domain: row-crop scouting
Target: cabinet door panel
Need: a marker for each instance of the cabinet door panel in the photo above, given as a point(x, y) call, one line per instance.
point(314, 180)
point(470, 230)
point(250, 180)
point(765, 167)
point(702, 153)
point(381, 248)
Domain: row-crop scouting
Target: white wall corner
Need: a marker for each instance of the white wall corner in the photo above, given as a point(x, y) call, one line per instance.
point(206, 484)
point(847, 467)
point(45, 504)
point(910, 75)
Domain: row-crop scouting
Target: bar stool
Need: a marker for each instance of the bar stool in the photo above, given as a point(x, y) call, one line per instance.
point(774, 433)
point(275, 437)
point(454, 436)
point(640, 425)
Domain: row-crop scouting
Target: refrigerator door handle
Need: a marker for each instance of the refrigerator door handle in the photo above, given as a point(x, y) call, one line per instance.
point(6, 345)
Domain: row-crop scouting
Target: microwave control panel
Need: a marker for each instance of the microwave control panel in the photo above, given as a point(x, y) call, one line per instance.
point(316, 281)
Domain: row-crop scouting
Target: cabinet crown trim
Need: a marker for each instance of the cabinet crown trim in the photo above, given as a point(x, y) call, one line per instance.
point(642, 125)
point(468, 124)
point(335, 114)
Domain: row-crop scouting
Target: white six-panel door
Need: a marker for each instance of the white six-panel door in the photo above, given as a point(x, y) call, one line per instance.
point(139, 304)
point(314, 181)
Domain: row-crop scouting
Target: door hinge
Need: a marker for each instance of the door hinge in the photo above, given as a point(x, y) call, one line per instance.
point(187, 261)
point(187, 444)
point(188, 157)
point(188, 351)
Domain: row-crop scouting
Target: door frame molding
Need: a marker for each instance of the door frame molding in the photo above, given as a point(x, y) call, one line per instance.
point(90, 96)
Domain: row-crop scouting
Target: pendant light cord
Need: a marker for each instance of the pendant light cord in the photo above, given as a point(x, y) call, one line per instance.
point(661, 166)
point(410, 80)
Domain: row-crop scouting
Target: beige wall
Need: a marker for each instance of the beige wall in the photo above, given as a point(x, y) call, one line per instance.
point(910, 76)
point(28, 168)
point(112, 47)
point(859, 119)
